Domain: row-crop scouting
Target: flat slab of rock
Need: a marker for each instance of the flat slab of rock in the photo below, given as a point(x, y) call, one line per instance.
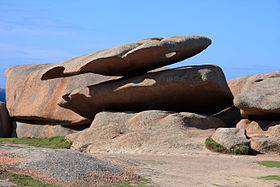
point(63, 167)
point(153, 131)
point(39, 131)
point(30, 98)
point(230, 137)
point(137, 57)
point(5, 122)
point(198, 89)
point(257, 96)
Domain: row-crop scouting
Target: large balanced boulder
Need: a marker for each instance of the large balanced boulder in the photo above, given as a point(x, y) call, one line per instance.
point(128, 59)
point(152, 131)
point(257, 96)
point(198, 89)
point(30, 98)
point(5, 122)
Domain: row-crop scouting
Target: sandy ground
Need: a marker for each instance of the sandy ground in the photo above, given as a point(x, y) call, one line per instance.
point(203, 169)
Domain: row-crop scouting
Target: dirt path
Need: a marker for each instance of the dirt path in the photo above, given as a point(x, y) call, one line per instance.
point(204, 169)
point(201, 169)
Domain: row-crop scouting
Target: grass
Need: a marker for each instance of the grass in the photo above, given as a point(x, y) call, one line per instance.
point(238, 149)
point(270, 163)
point(271, 177)
point(23, 180)
point(140, 183)
point(155, 162)
point(56, 142)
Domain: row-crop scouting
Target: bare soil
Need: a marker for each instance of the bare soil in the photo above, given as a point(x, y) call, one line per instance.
point(203, 169)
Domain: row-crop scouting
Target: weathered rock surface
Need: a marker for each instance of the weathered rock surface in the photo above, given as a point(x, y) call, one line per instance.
point(243, 123)
point(198, 89)
point(230, 116)
point(236, 85)
point(152, 131)
point(253, 129)
point(230, 137)
point(5, 121)
point(265, 145)
point(137, 57)
point(40, 131)
point(274, 131)
point(260, 128)
point(63, 167)
point(30, 98)
point(264, 135)
point(257, 96)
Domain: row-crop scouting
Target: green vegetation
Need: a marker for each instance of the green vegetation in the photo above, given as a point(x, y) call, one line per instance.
point(155, 162)
point(23, 180)
point(241, 149)
point(56, 142)
point(214, 146)
point(278, 149)
point(270, 163)
point(271, 177)
point(140, 183)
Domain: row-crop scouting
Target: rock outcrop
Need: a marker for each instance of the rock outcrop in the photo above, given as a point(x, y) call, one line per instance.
point(198, 89)
point(5, 122)
point(153, 131)
point(30, 98)
point(132, 58)
point(263, 136)
point(230, 137)
point(39, 130)
point(257, 96)
point(265, 145)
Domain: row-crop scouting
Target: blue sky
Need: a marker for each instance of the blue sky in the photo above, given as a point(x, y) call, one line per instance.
point(245, 33)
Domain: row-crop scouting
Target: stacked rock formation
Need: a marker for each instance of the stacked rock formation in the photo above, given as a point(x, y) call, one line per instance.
point(257, 98)
point(45, 100)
